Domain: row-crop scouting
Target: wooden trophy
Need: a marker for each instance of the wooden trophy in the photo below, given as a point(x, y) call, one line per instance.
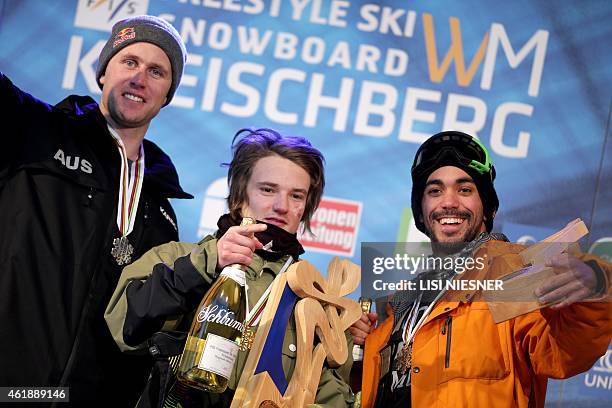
point(529, 273)
point(320, 307)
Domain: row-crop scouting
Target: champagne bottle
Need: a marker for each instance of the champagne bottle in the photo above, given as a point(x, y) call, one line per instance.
point(357, 369)
point(213, 341)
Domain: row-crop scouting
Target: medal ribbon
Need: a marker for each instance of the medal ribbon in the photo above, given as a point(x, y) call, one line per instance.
point(409, 332)
point(130, 187)
point(253, 316)
point(409, 327)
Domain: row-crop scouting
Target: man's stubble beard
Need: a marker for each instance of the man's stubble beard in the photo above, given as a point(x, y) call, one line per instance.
point(117, 116)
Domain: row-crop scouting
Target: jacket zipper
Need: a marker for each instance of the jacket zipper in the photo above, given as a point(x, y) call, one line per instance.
point(85, 313)
point(448, 323)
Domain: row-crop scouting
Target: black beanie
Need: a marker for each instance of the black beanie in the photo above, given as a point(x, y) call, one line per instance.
point(484, 182)
point(149, 29)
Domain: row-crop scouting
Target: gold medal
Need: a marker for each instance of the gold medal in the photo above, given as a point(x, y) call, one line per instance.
point(248, 336)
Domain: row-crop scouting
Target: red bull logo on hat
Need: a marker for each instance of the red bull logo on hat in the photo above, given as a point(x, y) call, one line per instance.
point(127, 33)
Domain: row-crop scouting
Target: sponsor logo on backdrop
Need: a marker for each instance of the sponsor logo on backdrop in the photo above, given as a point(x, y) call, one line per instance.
point(526, 240)
point(102, 14)
point(602, 248)
point(213, 206)
point(407, 230)
point(335, 226)
point(600, 375)
point(604, 364)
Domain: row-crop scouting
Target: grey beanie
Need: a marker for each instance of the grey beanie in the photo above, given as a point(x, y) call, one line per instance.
point(149, 29)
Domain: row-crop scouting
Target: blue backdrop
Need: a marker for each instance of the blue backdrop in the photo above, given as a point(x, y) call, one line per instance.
point(366, 82)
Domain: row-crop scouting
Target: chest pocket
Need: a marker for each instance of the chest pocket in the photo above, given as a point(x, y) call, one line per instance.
point(472, 346)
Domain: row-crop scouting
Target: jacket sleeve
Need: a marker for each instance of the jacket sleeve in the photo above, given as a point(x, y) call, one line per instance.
point(333, 390)
point(603, 271)
point(27, 115)
point(157, 289)
point(562, 343)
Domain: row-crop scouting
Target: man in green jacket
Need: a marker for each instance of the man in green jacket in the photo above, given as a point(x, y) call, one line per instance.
point(278, 181)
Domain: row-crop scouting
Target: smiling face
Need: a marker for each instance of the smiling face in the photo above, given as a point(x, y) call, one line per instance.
point(277, 191)
point(135, 85)
point(452, 208)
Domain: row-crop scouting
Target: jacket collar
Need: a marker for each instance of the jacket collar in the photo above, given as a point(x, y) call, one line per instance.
point(160, 173)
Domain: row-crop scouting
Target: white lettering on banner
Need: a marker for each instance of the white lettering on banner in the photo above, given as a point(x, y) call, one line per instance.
point(367, 56)
point(193, 33)
point(188, 81)
point(86, 64)
point(388, 21)
point(365, 107)
point(287, 46)
point(250, 42)
point(322, 12)
point(604, 363)
point(335, 226)
point(412, 114)
point(271, 103)
point(250, 93)
point(538, 41)
point(317, 100)
point(220, 36)
point(600, 375)
point(598, 381)
point(497, 130)
point(451, 116)
point(239, 79)
point(253, 6)
point(209, 96)
point(341, 55)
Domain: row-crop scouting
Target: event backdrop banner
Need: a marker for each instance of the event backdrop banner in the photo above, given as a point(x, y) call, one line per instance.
point(367, 82)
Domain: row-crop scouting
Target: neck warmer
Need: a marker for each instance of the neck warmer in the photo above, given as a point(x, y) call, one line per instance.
point(277, 242)
point(402, 300)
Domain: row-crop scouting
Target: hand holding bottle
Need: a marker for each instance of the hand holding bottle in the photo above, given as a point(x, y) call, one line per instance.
point(213, 342)
point(237, 245)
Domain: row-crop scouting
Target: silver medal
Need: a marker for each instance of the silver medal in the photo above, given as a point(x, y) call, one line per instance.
point(122, 251)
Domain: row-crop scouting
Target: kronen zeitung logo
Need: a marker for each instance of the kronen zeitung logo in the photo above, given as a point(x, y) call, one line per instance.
point(215, 314)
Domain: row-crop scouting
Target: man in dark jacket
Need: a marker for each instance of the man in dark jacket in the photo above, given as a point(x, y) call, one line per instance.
point(82, 193)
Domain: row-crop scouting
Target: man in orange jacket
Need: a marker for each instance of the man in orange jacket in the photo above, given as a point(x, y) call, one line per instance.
point(438, 350)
